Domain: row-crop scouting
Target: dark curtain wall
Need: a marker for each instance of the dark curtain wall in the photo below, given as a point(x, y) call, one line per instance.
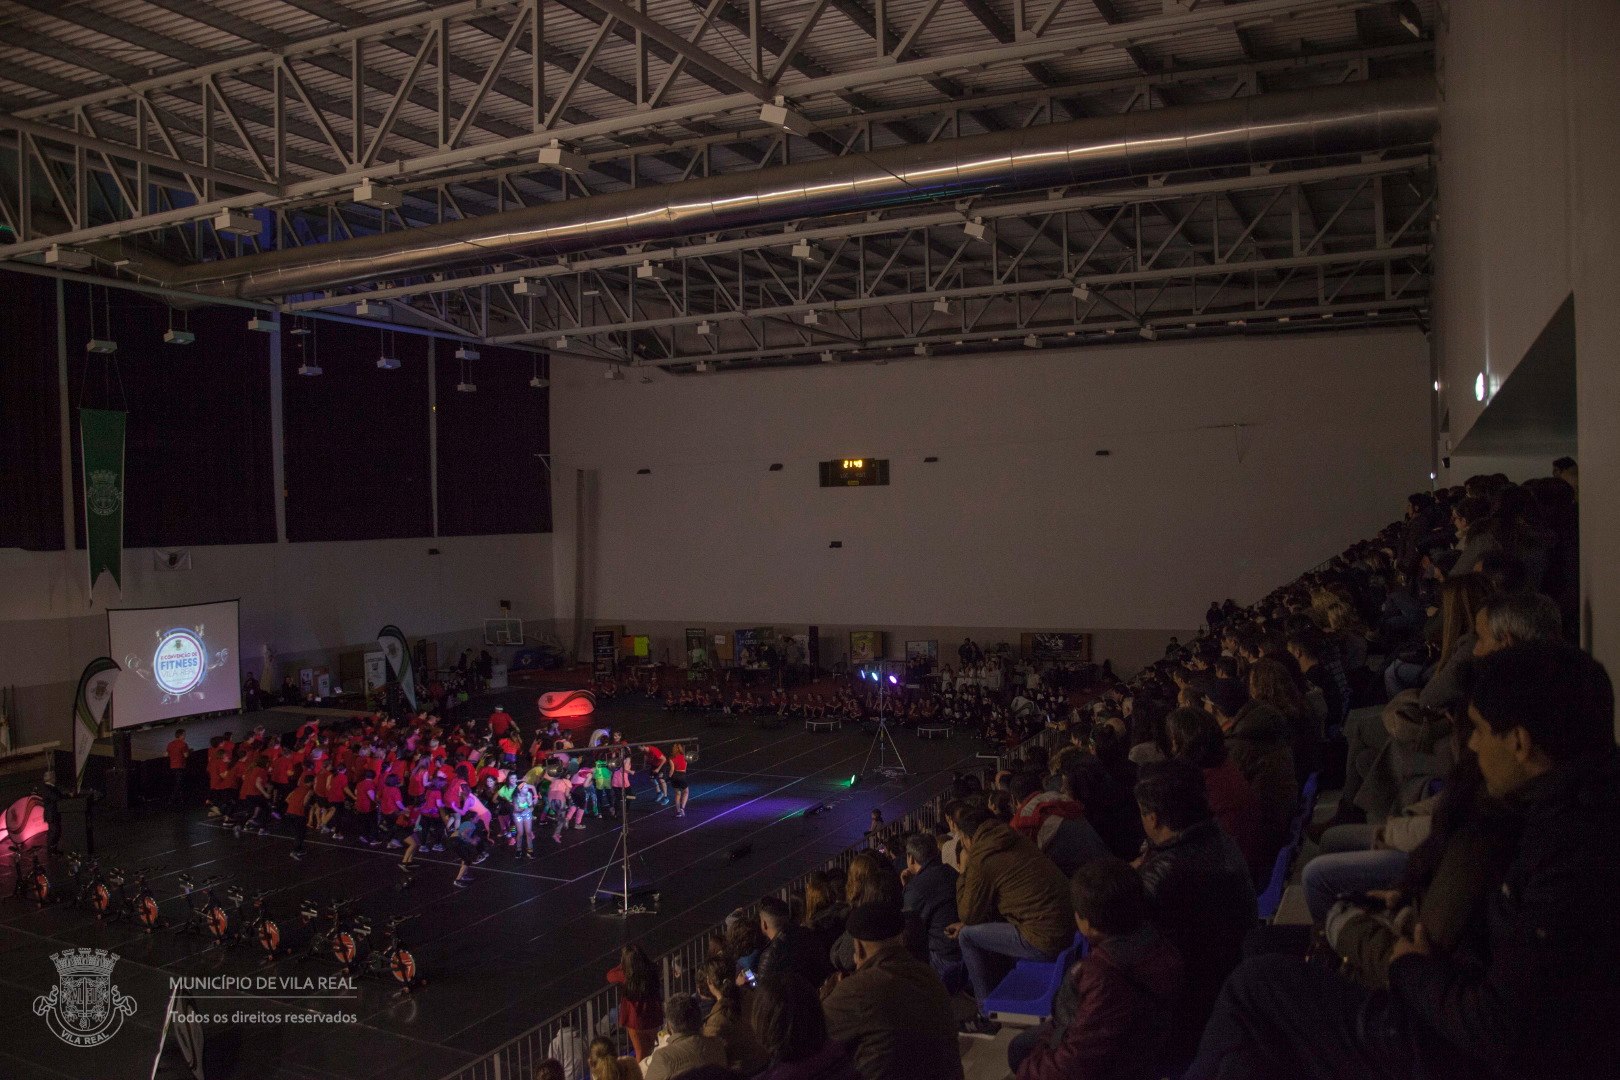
point(491, 476)
point(356, 436)
point(30, 426)
point(197, 451)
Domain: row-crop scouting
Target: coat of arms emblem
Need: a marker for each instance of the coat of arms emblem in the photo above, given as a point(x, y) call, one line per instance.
point(103, 496)
point(84, 1008)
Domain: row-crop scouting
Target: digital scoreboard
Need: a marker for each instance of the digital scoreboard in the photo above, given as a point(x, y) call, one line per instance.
point(855, 472)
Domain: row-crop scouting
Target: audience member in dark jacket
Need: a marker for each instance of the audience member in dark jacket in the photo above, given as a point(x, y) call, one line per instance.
point(930, 897)
point(789, 948)
point(1539, 995)
point(1195, 736)
point(1109, 807)
point(1123, 994)
point(893, 1015)
point(787, 1017)
point(1198, 886)
point(1261, 742)
point(1057, 823)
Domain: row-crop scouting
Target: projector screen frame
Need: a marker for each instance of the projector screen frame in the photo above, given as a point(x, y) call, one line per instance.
point(201, 713)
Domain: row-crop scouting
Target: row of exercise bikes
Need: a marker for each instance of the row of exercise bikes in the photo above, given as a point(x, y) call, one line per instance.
point(229, 916)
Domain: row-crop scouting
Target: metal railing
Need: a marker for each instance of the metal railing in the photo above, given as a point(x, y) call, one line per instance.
point(567, 1034)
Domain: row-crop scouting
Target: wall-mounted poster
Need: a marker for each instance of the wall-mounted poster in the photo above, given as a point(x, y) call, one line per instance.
point(697, 651)
point(376, 670)
point(640, 646)
point(747, 647)
point(865, 645)
point(306, 681)
point(1048, 645)
point(922, 652)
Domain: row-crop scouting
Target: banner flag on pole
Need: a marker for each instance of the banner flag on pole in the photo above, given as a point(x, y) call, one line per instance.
point(399, 661)
point(101, 454)
point(89, 708)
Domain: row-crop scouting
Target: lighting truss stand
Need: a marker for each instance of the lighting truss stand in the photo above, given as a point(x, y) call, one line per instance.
point(625, 902)
point(883, 745)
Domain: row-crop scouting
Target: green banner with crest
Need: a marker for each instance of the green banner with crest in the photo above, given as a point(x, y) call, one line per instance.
point(101, 451)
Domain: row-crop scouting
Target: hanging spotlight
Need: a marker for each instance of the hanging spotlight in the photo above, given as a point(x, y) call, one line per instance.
point(1147, 333)
point(1081, 292)
point(704, 328)
point(614, 373)
point(67, 258)
point(529, 287)
point(267, 326)
point(921, 350)
point(942, 306)
point(370, 309)
point(564, 160)
point(778, 115)
point(370, 193)
point(236, 223)
point(975, 228)
point(172, 336)
point(1032, 341)
point(811, 318)
point(829, 357)
point(536, 381)
point(466, 352)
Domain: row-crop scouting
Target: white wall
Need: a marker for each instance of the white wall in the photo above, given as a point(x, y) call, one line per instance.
point(1019, 525)
point(307, 601)
point(1530, 212)
point(1503, 252)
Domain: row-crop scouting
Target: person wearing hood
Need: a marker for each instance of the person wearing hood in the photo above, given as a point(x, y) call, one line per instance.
point(1260, 740)
point(1114, 1012)
point(1012, 901)
point(1056, 824)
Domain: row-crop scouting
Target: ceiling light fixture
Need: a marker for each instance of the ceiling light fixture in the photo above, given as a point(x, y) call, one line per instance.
point(561, 159)
point(704, 328)
point(172, 336)
point(942, 306)
point(529, 287)
point(975, 228)
point(1082, 292)
point(778, 115)
point(370, 193)
point(67, 258)
point(1147, 333)
point(236, 223)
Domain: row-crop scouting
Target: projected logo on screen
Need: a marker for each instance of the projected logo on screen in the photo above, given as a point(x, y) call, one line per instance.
point(180, 663)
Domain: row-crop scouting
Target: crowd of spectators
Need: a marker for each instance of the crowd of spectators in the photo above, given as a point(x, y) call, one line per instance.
point(1460, 898)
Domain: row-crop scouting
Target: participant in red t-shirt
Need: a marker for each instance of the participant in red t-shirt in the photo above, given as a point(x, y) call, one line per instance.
point(500, 722)
point(254, 795)
point(390, 808)
point(298, 810)
point(365, 808)
point(658, 768)
point(179, 753)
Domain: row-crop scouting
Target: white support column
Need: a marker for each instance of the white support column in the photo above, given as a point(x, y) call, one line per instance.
point(278, 439)
point(433, 431)
point(65, 420)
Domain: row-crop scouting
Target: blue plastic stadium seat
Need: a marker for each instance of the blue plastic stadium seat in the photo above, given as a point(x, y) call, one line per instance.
point(1027, 991)
point(1307, 794)
point(1271, 899)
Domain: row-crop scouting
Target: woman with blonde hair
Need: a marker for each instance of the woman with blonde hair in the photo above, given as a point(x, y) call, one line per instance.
point(872, 880)
point(606, 1064)
point(1272, 683)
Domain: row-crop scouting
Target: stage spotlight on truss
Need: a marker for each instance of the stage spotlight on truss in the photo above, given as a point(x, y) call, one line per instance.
point(805, 251)
point(561, 342)
point(564, 160)
point(1081, 292)
point(975, 228)
point(812, 318)
point(942, 306)
point(380, 196)
point(780, 116)
point(704, 328)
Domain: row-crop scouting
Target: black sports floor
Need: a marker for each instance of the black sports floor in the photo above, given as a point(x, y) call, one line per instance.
point(518, 945)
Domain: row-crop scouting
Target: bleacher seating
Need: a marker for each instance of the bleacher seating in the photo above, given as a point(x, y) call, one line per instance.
point(1271, 898)
point(1025, 996)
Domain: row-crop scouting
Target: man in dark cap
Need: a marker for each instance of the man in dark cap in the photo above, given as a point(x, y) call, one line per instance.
point(892, 1015)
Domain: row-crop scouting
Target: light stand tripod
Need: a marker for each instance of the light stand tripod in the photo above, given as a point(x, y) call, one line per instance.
point(883, 743)
point(620, 861)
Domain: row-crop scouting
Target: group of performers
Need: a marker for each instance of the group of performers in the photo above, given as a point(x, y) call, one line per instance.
point(420, 784)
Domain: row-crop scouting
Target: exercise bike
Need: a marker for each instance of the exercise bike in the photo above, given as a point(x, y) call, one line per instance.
point(31, 884)
point(89, 885)
point(201, 903)
point(387, 957)
point(327, 925)
point(137, 902)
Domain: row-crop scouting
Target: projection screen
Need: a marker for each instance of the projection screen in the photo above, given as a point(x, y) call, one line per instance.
point(177, 661)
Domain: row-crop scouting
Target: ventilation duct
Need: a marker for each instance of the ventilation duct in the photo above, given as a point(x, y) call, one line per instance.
point(1342, 119)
